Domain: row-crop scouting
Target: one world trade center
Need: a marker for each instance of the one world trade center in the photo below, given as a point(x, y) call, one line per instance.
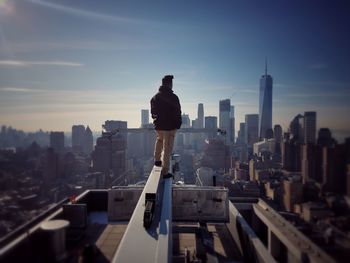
point(265, 104)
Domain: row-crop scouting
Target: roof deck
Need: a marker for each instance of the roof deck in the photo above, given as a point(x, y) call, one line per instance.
point(189, 224)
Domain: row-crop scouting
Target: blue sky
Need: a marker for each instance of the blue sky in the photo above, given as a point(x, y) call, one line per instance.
point(67, 62)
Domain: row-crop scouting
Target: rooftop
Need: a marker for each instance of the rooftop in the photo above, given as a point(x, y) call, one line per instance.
point(159, 222)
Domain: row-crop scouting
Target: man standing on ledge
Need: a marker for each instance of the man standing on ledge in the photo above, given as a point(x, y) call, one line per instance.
point(166, 114)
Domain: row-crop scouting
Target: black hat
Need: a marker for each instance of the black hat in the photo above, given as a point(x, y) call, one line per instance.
point(167, 79)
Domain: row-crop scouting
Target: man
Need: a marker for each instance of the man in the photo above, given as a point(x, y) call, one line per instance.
point(166, 114)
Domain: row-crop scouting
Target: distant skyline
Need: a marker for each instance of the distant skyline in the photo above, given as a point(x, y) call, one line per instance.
point(69, 62)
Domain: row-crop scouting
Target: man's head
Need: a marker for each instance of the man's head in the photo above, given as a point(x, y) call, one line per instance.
point(168, 81)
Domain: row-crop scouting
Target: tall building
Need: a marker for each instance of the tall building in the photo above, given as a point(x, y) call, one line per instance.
point(310, 127)
point(297, 128)
point(200, 116)
point(277, 133)
point(308, 162)
point(78, 132)
point(311, 162)
point(224, 118)
point(292, 194)
point(324, 137)
point(241, 133)
point(291, 153)
point(334, 164)
point(216, 155)
point(57, 141)
point(194, 124)
point(251, 128)
point(82, 139)
point(232, 124)
point(141, 144)
point(211, 122)
point(186, 122)
point(134, 142)
point(110, 154)
point(147, 143)
point(111, 125)
point(52, 166)
point(144, 118)
point(265, 104)
point(88, 145)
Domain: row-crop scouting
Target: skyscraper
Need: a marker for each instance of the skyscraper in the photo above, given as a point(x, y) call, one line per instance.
point(186, 122)
point(88, 145)
point(265, 104)
point(200, 116)
point(291, 153)
point(310, 127)
point(224, 118)
point(241, 133)
point(211, 122)
point(325, 137)
point(112, 125)
point(109, 154)
point(53, 166)
point(82, 139)
point(297, 127)
point(144, 118)
point(78, 132)
point(57, 141)
point(277, 132)
point(232, 124)
point(308, 165)
point(251, 128)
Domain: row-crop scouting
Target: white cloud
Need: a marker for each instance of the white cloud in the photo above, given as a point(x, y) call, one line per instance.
point(48, 98)
point(319, 94)
point(23, 63)
point(88, 14)
point(123, 43)
point(16, 89)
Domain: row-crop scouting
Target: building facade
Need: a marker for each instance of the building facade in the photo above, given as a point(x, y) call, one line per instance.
point(310, 127)
point(78, 132)
point(251, 128)
point(265, 104)
point(144, 118)
point(224, 119)
point(57, 141)
point(200, 116)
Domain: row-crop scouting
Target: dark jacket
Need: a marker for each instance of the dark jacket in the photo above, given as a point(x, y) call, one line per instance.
point(166, 110)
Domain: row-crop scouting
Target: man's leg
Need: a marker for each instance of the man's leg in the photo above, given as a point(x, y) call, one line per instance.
point(168, 143)
point(158, 147)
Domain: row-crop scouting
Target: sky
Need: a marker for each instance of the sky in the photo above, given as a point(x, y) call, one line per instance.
point(65, 62)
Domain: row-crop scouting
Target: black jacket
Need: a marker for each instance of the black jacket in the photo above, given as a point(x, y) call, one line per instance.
point(166, 110)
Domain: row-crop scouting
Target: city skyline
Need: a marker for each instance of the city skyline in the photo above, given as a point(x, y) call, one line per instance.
point(112, 58)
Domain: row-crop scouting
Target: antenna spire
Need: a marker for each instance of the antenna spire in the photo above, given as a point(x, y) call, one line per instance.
point(265, 66)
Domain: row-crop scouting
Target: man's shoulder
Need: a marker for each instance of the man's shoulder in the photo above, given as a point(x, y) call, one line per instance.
point(155, 96)
point(174, 95)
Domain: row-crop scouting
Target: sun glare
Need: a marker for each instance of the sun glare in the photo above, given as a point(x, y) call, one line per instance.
point(6, 7)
